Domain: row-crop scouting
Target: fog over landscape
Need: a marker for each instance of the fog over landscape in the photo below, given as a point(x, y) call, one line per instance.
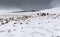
point(28, 4)
point(29, 18)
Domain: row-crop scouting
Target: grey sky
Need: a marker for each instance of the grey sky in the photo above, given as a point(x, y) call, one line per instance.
point(28, 4)
point(55, 3)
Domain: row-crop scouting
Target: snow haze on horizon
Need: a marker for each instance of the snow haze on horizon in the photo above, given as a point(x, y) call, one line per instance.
point(20, 5)
point(10, 10)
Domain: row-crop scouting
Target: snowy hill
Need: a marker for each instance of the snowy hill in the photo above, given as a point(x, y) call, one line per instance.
point(53, 10)
point(44, 23)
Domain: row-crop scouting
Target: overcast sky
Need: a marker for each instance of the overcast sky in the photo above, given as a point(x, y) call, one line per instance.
point(28, 4)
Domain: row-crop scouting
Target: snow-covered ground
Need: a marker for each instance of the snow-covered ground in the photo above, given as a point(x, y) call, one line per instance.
point(44, 23)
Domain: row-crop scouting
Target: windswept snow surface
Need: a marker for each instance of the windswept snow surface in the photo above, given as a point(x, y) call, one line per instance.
point(44, 23)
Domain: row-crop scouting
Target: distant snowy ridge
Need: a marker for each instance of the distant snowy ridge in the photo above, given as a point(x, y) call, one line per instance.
point(53, 10)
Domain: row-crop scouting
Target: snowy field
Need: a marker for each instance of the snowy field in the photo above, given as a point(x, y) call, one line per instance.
point(44, 23)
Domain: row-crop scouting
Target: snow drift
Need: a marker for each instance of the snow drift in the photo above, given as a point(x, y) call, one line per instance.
point(44, 23)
